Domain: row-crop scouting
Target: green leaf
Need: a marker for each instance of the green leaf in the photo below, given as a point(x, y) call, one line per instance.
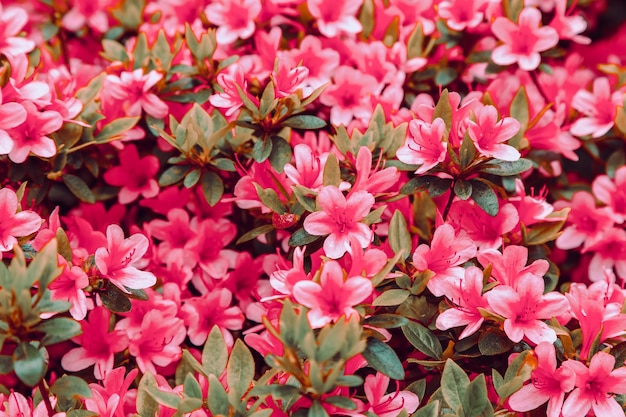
point(445, 76)
point(44, 268)
point(91, 90)
point(191, 387)
point(383, 358)
point(130, 14)
point(146, 405)
point(58, 329)
point(434, 185)
point(443, 110)
point(304, 121)
point(78, 187)
point(341, 402)
point(6, 364)
point(268, 102)
point(399, 236)
point(29, 364)
point(386, 321)
point(332, 173)
point(463, 189)
point(71, 387)
point(429, 410)
point(423, 339)
point(115, 129)
point(454, 382)
point(467, 153)
point(507, 168)
point(174, 174)
point(494, 342)
point(240, 369)
point(270, 198)
point(113, 51)
point(115, 300)
point(301, 238)
point(475, 399)
point(485, 197)
point(392, 297)
point(317, 410)
point(215, 353)
point(205, 47)
point(192, 178)
point(262, 149)
point(521, 112)
point(281, 153)
point(252, 234)
point(212, 187)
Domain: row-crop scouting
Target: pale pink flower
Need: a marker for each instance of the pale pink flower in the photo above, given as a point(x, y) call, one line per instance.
point(485, 230)
point(11, 115)
point(12, 224)
point(462, 14)
point(289, 79)
point(283, 280)
point(424, 145)
point(523, 41)
point(524, 307)
point(98, 345)
point(12, 21)
point(612, 193)
point(609, 250)
point(207, 246)
point(374, 181)
point(321, 62)
point(510, 264)
point(340, 219)
point(387, 405)
point(18, 406)
point(488, 133)
point(585, 222)
point(134, 174)
point(87, 13)
point(133, 88)
point(467, 297)
point(599, 107)
point(547, 384)
point(117, 262)
point(569, 27)
point(336, 17)
point(595, 386)
point(32, 134)
point(69, 287)
point(447, 251)
point(307, 169)
point(234, 18)
point(333, 297)
point(230, 84)
point(349, 94)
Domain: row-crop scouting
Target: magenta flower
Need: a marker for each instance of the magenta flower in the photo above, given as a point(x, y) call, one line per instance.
point(612, 193)
point(98, 345)
point(522, 42)
point(424, 145)
point(547, 384)
point(117, 262)
point(333, 297)
point(468, 298)
point(340, 219)
point(524, 307)
point(32, 134)
point(12, 21)
point(134, 175)
point(387, 405)
point(336, 17)
point(510, 264)
point(447, 251)
point(229, 97)
point(308, 168)
point(375, 180)
point(599, 107)
point(11, 115)
point(133, 88)
point(585, 222)
point(349, 94)
point(69, 287)
point(12, 224)
point(595, 386)
point(234, 18)
point(462, 14)
point(488, 133)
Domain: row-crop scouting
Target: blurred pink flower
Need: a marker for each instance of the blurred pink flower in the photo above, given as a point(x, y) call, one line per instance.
point(488, 133)
point(336, 17)
point(585, 222)
point(134, 175)
point(612, 192)
point(523, 41)
point(32, 134)
point(340, 218)
point(12, 21)
point(133, 88)
point(462, 14)
point(333, 297)
point(599, 107)
point(234, 18)
point(12, 224)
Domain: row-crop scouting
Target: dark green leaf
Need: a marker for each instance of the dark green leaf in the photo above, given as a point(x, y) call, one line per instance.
point(174, 174)
point(78, 187)
point(423, 339)
point(463, 189)
point(58, 329)
point(71, 387)
point(192, 178)
point(261, 230)
point(475, 399)
point(485, 197)
point(212, 187)
point(494, 342)
point(386, 321)
point(507, 168)
point(262, 149)
point(434, 185)
point(454, 382)
point(383, 358)
point(28, 364)
point(399, 236)
point(317, 410)
point(270, 198)
point(116, 128)
point(304, 121)
point(6, 364)
point(300, 238)
point(281, 154)
point(115, 300)
point(445, 76)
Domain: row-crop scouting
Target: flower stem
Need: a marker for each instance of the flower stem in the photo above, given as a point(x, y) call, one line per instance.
point(46, 399)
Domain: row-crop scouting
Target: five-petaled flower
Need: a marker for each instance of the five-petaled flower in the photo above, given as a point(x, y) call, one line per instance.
point(12, 224)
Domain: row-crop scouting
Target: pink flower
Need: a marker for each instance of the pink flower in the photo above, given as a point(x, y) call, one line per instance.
point(117, 262)
point(11, 115)
point(375, 180)
point(522, 42)
point(524, 307)
point(321, 62)
point(510, 264)
point(32, 134)
point(547, 384)
point(289, 79)
point(158, 341)
point(229, 97)
point(98, 345)
point(234, 18)
point(467, 297)
point(332, 297)
point(387, 405)
point(600, 107)
point(340, 219)
point(12, 21)
point(446, 252)
point(594, 387)
point(114, 387)
point(90, 13)
point(612, 193)
point(134, 175)
point(610, 252)
point(336, 17)
point(485, 230)
point(212, 309)
point(175, 234)
point(488, 134)
point(207, 247)
point(348, 96)
point(585, 222)
point(424, 145)
point(462, 14)
point(133, 89)
point(569, 27)
point(69, 287)
point(12, 224)
point(308, 168)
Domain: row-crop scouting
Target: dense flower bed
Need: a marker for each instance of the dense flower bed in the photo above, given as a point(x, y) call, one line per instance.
point(312, 208)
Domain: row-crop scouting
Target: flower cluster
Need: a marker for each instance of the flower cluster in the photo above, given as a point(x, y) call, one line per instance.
point(274, 208)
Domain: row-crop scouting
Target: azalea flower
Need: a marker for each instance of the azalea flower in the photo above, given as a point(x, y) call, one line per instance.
point(488, 133)
point(133, 88)
point(462, 14)
point(32, 134)
point(595, 386)
point(336, 17)
point(510, 264)
point(523, 41)
point(12, 224)
point(387, 405)
point(348, 96)
point(424, 145)
point(117, 262)
point(585, 222)
point(333, 297)
point(134, 175)
point(340, 218)
point(547, 384)
point(599, 107)
point(234, 18)
point(12, 21)
point(612, 192)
